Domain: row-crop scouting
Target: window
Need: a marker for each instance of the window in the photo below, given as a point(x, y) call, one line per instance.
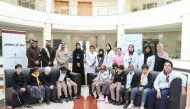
point(61, 7)
point(149, 6)
point(27, 3)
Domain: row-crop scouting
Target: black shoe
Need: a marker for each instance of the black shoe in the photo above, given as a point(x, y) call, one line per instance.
point(60, 101)
point(48, 102)
point(67, 99)
point(119, 103)
point(55, 101)
point(125, 106)
point(28, 106)
point(71, 98)
point(111, 101)
point(115, 102)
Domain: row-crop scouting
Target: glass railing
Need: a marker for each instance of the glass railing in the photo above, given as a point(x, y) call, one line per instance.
point(40, 5)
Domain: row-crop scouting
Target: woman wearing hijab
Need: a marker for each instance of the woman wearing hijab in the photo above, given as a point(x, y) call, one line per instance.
point(109, 56)
point(78, 62)
point(147, 58)
point(99, 59)
point(131, 57)
point(160, 51)
point(62, 55)
point(160, 57)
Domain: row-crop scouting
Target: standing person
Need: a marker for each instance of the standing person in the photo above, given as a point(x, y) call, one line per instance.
point(147, 58)
point(160, 51)
point(99, 59)
point(47, 54)
point(50, 89)
point(62, 55)
point(109, 57)
point(33, 54)
point(19, 85)
point(162, 86)
point(91, 60)
point(160, 57)
point(36, 88)
point(118, 82)
point(145, 84)
point(119, 57)
point(78, 62)
point(131, 57)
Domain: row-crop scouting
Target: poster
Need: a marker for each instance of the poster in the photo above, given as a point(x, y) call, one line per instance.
point(14, 48)
point(126, 39)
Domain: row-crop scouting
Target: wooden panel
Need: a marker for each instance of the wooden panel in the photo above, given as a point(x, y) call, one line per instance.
point(85, 8)
point(61, 7)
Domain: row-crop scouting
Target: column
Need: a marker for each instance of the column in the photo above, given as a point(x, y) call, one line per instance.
point(48, 5)
point(185, 51)
point(46, 32)
point(120, 32)
point(120, 6)
point(127, 8)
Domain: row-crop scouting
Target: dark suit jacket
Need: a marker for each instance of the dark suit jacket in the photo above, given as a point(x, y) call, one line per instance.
point(47, 79)
point(120, 78)
point(150, 81)
point(57, 75)
point(135, 82)
point(18, 81)
point(44, 57)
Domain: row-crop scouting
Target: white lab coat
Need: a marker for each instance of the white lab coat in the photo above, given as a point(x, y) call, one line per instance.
point(150, 62)
point(90, 59)
point(108, 59)
point(133, 59)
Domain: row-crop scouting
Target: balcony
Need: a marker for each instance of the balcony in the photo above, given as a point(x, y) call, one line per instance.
point(67, 8)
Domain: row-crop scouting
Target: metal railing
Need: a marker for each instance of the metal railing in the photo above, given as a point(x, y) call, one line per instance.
point(108, 10)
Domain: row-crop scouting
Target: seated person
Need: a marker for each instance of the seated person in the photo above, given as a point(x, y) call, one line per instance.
point(106, 86)
point(162, 86)
point(131, 82)
point(19, 85)
point(145, 84)
point(102, 76)
point(50, 89)
point(36, 88)
point(118, 82)
point(63, 82)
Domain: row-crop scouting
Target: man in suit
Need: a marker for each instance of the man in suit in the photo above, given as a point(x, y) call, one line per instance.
point(47, 54)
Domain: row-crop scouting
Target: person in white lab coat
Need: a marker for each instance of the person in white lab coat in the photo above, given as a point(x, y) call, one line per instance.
point(147, 58)
point(131, 57)
point(109, 55)
point(91, 60)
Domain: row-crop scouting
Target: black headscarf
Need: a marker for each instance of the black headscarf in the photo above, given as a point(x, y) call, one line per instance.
point(146, 55)
point(77, 49)
point(100, 55)
point(109, 49)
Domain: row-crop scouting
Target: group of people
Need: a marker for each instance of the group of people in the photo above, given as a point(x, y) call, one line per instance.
point(46, 86)
point(123, 87)
point(111, 85)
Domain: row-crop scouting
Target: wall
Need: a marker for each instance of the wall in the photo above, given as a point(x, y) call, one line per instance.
point(168, 39)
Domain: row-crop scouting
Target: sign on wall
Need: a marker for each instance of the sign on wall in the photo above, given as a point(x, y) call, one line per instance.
point(14, 48)
point(126, 39)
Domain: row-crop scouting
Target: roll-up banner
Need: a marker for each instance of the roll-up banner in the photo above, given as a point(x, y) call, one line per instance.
point(14, 48)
